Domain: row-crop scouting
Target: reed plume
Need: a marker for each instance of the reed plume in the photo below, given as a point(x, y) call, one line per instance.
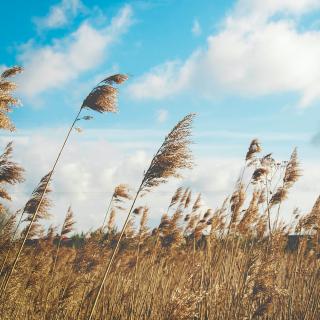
point(176, 197)
point(188, 199)
point(291, 175)
point(103, 98)
point(7, 101)
point(254, 148)
point(250, 215)
point(172, 156)
point(197, 204)
point(184, 197)
point(10, 172)
point(121, 193)
point(237, 199)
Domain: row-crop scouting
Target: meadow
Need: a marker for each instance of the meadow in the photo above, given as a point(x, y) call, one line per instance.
point(234, 261)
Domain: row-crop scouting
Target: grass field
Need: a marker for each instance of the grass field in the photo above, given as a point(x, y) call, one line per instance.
point(229, 262)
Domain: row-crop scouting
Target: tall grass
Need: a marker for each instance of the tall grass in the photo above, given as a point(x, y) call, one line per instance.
point(236, 261)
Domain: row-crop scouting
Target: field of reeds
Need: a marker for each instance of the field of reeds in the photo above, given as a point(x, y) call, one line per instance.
point(239, 260)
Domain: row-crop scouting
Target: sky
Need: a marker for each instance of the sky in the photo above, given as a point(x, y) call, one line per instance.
point(247, 68)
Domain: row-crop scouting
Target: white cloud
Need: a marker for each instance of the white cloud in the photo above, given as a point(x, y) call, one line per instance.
point(162, 81)
point(315, 140)
point(53, 66)
point(162, 115)
point(265, 8)
point(59, 15)
point(86, 181)
point(196, 28)
point(252, 55)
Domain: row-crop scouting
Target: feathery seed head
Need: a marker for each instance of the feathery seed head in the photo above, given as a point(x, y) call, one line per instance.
point(173, 155)
point(254, 148)
point(68, 223)
point(11, 72)
point(103, 98)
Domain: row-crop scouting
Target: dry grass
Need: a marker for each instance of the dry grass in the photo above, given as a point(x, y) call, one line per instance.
point(230, 262)
point(198, 263)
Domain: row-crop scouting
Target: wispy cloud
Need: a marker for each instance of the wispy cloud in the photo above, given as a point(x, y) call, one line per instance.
point(196, 28)
point(65, 59)
point(59, 15)
point(253, 54)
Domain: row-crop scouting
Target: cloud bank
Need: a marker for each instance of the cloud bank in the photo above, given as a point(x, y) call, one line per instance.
point(86, 182)
point(260, 50)
point(55, 65)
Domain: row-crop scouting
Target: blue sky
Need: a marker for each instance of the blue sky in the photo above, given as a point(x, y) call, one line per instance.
point(247, 68)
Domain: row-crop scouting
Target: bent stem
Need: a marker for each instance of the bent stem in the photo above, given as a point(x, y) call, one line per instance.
point(39, 204)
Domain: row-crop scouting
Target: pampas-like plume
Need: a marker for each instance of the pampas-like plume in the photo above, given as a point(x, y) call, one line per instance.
point(34, 200)
point(291, 175)
point(143, 229)
point(11, 72)
point(184, 197)
point(258, 174)
point(102, 98)
point(121, 193)
point(68, 223)
point(250, 214)
point(172, 156)
point(197, 203)
point(10, 172)
point(237, 200)
point(188, 199)
point(254, 148)
point(7, 101)
point(176, 197)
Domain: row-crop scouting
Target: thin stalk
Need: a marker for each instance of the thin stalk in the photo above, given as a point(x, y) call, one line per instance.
point(52, 274)
point(9, 249)
point(133, 299)
point(268, 210)
point(107, 270)
point(39, 204)
point(108, 209)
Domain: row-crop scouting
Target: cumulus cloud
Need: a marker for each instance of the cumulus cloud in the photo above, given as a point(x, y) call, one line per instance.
point(86, 181)
point(196, 28)
point(55, 65)
point(253, 54)
point(59, 15)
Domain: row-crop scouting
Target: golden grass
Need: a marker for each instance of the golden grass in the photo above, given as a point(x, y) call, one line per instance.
point(231, 262)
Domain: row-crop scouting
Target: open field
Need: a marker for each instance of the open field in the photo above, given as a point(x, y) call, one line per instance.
point(229, 262)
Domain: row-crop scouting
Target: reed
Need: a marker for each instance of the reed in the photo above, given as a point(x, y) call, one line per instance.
point(102, 98)
point(172, 156)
